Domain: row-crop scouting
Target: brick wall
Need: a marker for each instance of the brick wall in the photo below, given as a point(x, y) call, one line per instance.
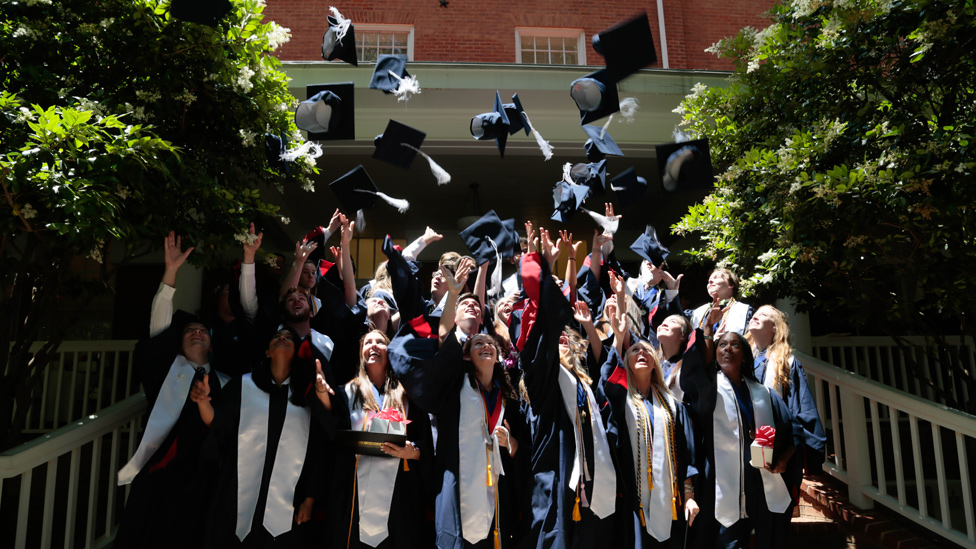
point(484, 30)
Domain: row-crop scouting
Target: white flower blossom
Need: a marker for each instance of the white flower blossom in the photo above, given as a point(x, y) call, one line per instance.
point(285, 220)
point(243, 82)
point(247, 137)
point(24, 115)
point(771, 254)
point(753, 65)
point(38, 2)
point(25, 32)
point(123, 192)
point(308, 185)
point(278, 36)
point(186, 97)
point(106, 23)
point(271, 261)
point(96, 253)
point(28, 211)
point(246, 238)
point(148, 97)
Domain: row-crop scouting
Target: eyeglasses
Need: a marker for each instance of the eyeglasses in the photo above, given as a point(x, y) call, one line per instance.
point(437, 274)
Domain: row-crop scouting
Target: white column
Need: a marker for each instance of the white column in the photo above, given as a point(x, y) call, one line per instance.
point(799, 326)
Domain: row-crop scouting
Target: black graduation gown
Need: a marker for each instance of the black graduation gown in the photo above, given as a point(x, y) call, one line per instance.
point(408, 525)
point(699, 382)
point(432, 378)
point(225, 426)
point(629, 532)
point(169, 498)
point(552, 432)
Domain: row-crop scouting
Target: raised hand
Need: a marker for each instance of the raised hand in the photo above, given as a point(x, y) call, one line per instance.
point(335, 222)
point(303, 249)
point(173, 256)
point(581, 312)
point(348, 227)
point(616, 283)
point(322, 389)
point(671, 282)
point(251, 244)
point(566, 240)
point(599, 239)
point(550, 250)
point(457, 279)
point(530, 237)
point(608, 211)
point(430, 235)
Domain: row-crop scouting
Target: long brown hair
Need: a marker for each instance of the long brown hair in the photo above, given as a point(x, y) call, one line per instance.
point(498, 373)
point(779, 354)
point(363, 387)
point(657, 373)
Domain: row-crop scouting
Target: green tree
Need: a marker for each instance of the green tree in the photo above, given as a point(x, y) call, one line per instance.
point(846, 166)
point(120, 123)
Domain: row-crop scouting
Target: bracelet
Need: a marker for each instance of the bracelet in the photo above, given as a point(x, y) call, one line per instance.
point(708, 338)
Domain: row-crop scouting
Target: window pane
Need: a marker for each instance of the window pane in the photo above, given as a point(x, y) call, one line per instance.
point(557, 58)
point(400, 39)
point(571, 58)
point(528, 56)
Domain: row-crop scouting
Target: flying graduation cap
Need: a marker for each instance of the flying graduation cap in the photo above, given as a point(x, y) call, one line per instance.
point(627, 47)
point(518, 120)
point(491, 239)
point(595, 96)
point(600, 144)
point(593, 175)
point(391, 76)
point(492, 125)
point(649, 247)
point(685, 166)
point(327, 114)
point(399, 144)
point(203, 12)
point(567, 199)
point(357, 192)
point(339, 40)
point(628, 187)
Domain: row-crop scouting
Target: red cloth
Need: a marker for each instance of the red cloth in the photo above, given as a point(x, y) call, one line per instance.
point(496, 411)
point(619, 376)
point(392, 414)
point(170, 454)
point(531, 281)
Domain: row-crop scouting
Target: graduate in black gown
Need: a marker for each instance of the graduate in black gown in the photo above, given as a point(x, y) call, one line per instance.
point(479, 425)
point(572, 488)
point(171, 479)
point(270, 428)
point(390, 493)
point(728, 408)
point(653, 439)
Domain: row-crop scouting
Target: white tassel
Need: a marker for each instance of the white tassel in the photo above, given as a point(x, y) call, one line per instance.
point(443, 178)
point(628, 109)
point(568, 173)
point(544, 145)
point(609, 225)
point(400, 204)
point(496, 273)
point(310, 148)
point(343, 26)
point(360, 221)
point(603, 130)
point(680, 136)
point(405, 86)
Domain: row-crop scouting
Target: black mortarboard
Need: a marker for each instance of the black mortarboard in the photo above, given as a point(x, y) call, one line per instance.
point(347, 189)
point(628, 187)
point(274, 147)
point(685, 166)
point(492, 125)
point(567, 199)
point(649, 247)
point(627, 47)
point(333, 47)
point(329, 112)
point(389, 145)
point(595, 96)
point(382, 80)
point(204, 12)
point(517, 120)
point(476, 236)
point(592, 175)
point(597, 147)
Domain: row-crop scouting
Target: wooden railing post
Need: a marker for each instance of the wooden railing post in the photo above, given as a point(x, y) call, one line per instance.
point(856, 456)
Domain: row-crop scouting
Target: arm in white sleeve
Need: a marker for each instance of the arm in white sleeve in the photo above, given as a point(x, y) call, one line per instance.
point(411, 252)
point(249, 292)
point(162, 310)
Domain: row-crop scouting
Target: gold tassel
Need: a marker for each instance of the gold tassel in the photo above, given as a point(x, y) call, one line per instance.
point(498, 541)
point(641, 510)
point(674, 508)
point(406, 466)
point(650, 479)
point(490, 482)
point(576, 512)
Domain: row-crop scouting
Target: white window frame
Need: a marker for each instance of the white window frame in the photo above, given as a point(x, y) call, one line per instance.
point(381, 28)
point(551, 32)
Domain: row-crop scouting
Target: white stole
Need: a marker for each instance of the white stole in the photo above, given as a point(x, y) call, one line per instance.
point(604, 476)
point(477, 499)
point(166, 411)
point(375, 478)
point(727, 442)
point(735, 318)
point(657, 502)
point(252, 442)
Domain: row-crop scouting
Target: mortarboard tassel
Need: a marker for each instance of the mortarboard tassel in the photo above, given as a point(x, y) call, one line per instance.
point(543, 144)
point(400, 204)
point(568, 173)
point(576, 512)
point(628, 109)
point(406, 466)
point(443, 178)
point(496, 273)
point(309, 148)
point(609, 225)
point(641, 513)
point(405, 86)
point(360, 220)
point(498, 541)
point(343, 25)
point(490, 483)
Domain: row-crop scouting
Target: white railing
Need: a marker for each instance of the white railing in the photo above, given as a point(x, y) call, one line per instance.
point(882, 360)
point(900, 450)
point(83, 378)
point(52, 482)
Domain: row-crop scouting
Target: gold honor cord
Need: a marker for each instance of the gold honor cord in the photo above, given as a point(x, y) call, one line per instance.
point(488, 451)
point(644, 437)
point(728, 307)
point(672, 452)
point(577, 516)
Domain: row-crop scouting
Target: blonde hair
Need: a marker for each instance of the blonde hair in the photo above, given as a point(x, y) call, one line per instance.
point(575, 355)
point(362, 386)
point(501, 327)
point(657, 373)
point(779, 354)
point(381, 281)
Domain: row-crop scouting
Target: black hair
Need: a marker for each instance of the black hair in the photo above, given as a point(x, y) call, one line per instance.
point(748, 369)
point(302, 374)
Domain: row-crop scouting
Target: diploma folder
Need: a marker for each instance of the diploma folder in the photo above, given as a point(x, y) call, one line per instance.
point(369, 443)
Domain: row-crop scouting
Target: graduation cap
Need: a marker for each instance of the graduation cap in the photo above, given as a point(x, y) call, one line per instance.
point(391, 76)
point(599, 144)
point(567, 199)
point(328, 113)
point(203, 12)
point(627, 47)
point(339, 40)
point(517, 119)
point(490, 239)
point(390, 144)
point(492, 125)
point(685, 166)
point(357, 192)
point(274, 147)
point(629, 187)
point(649, 247)
point(595, 96)
point(593, 175)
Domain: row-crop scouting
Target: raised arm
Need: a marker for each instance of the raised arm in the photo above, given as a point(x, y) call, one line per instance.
point(596, 253)
point(248, 283)
point(162, 305)
point(480, 281)
point(348, 278)
point(455, 282)
point(581, 312)
point(302, 250)
point(412, 251)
